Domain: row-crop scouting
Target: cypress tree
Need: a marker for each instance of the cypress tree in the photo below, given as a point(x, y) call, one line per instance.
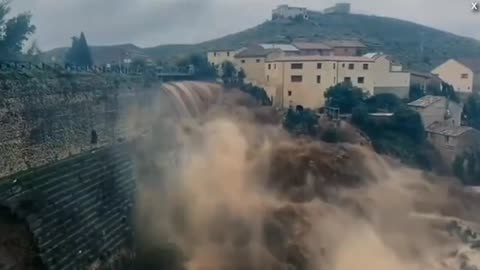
point(79, 54)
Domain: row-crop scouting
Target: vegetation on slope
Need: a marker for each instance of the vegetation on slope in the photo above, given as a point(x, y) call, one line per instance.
point(401, 136)
point(402, 39)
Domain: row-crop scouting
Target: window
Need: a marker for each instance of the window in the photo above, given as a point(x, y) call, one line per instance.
point(447, 139)
point(269, 66)
point(351, 66)
point(297, 66)
point(361, 80)
point(343, 65)
point(214, 54)
point(319, 65)
point(258, 60)
point(319, 79)
point(268, 78)
point(228, 53)
point(289, 93)
point(347, 79)
point(334, 66)
point(243, 61)
point(365, 66)
point(464, 76)
point(296, 78)
point(334, 79)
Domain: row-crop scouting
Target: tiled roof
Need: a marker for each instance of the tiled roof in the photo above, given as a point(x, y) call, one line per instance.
point(255, 51)
point(420, 74)
point(471, 63)
point(282, 47)
point(345, 43)
point(223, 49)
point(447, 130)
point(311, 46)
point(426, 101)
point(300, 58)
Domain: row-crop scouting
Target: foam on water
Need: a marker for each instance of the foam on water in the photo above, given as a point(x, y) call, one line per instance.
point(190, 98)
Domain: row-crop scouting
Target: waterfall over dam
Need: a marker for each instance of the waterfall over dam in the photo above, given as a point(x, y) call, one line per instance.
point(78, 212)
point(191, 98)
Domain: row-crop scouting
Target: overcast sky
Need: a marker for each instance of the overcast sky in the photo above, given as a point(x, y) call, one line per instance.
point(155, 22)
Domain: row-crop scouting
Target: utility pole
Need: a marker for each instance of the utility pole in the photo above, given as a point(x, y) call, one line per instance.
point(422, 44)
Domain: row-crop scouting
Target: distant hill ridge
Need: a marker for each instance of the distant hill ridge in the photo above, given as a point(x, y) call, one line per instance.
point(415, 46)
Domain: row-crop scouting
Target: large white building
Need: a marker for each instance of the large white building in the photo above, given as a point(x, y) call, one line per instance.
point(303, 79)
point(285, 11)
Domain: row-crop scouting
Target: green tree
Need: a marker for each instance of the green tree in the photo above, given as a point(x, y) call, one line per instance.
point(79, 54)
point(344, 96)
point(138, 64)
point(301, 121)
point(203, 69)
point(409, 122)
point(472, 111)
point(443, 89)
point(241, 76)
point(360, 116)
point(383, 103)
point(467, 167)
point(449, 91)
point(458, 167)
point(258, 93)
point(229, 72)
point(416, 92)
point(13, 32)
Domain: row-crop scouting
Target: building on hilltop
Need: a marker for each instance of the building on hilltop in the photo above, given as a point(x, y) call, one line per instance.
point(287, 12)
point(339, 8)
point(462, 74)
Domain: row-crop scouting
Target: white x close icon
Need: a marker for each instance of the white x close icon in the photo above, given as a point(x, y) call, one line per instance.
point(475, 6)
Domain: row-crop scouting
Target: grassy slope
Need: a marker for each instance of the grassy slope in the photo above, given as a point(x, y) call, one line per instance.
point(399, 38)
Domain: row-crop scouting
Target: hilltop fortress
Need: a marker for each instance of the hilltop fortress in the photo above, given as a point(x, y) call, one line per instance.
point(285, 11)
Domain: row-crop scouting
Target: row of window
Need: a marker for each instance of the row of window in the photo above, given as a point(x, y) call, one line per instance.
point(351, 66)
point(299, 78)
point(256, 60)
point(215, 54)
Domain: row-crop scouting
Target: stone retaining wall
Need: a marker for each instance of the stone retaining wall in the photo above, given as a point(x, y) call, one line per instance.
point(79, 210)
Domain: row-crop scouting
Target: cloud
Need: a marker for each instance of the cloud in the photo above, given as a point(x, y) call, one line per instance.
point(154, 22)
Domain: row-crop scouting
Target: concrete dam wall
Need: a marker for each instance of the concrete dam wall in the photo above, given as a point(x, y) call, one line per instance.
point(67, 201)
point(78, 210)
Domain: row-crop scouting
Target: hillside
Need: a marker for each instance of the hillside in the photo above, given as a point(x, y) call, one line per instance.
point(100, 54)
point(399, 38)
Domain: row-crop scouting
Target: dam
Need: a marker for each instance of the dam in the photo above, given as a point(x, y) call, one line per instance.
point(69, 162)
